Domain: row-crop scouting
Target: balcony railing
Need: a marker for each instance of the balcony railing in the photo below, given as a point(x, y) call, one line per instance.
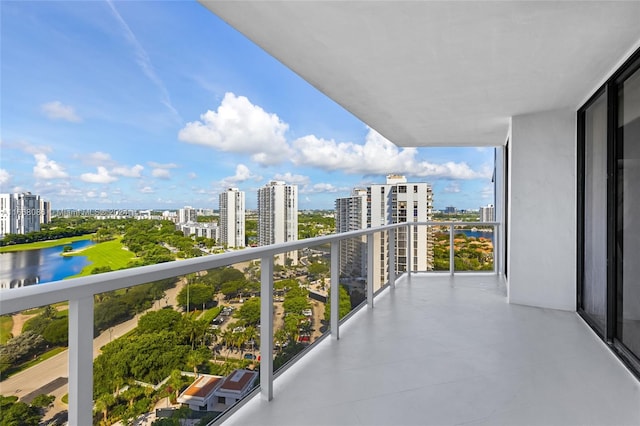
point(80, 292)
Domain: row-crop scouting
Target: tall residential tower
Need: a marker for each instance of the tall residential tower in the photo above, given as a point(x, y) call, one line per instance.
point(232, 217)
point(278, 216)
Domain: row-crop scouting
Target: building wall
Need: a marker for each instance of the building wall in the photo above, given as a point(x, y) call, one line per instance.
point(232, 218)
point(351, 215)
point(278, 216)
point(542, 210)
point(20, 213)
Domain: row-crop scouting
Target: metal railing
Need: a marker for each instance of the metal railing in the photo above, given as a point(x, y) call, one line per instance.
point(80, 292)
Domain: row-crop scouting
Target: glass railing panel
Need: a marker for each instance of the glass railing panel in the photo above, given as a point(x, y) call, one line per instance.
point(163, 348)
point(473, 245)
point(301, 293)
point(441, 248)
point(34, 364)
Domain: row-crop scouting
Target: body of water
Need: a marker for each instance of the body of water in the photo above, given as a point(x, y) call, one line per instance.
point(476, 234)
point(21, 268)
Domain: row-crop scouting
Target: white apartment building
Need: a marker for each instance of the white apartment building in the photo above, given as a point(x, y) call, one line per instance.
point(351, 215)
point(197, 229)
point(399, 201)
point(232, 218)
point(187, 214)
point(278, 216)
point(21, 213)
point(487, 213)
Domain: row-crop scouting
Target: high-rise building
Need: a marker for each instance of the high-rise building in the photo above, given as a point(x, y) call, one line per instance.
point(232, 218)
point(487, 214)
point(21, 213)
point(187, 214)
point(278, 216)
point(351, 215)
point(398, 201)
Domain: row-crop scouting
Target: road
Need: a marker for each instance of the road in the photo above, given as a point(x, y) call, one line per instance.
point(27, 381)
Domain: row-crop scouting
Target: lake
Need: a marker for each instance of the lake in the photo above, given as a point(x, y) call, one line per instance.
point(27, 267)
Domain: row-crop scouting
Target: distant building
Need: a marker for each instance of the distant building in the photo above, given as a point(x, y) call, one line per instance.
point(278, 216)
point(21, 213)
point(235, 386)
point(187, 214)
point(487, 214)
point(199, 395)
point(232, 218)
point(450, 210)
point(400, 201)
point(351, 215)
point(197, 229)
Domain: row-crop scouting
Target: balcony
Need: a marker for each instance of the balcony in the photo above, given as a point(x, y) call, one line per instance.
point(431, 348)
point(442, 350)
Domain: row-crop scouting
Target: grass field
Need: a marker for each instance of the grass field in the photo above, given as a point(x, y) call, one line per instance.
point(43, 244)
point(109, 253)
point(6, 324)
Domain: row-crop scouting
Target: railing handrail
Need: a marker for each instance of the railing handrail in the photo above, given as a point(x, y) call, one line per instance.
point(19, 299)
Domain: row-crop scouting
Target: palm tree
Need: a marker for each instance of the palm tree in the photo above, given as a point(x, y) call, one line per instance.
point(251, 334)
point(103, 403)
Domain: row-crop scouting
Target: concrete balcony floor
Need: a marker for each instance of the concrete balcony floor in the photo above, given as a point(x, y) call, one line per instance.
point(451, 351)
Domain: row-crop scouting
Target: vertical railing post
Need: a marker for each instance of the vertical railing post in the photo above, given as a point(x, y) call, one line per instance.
point(496, 251)
point(392, 257)
point(409, 259)
point(452, 264)
point(335, 290)
point(371, 270)
point(266, 328)
point(81, 361)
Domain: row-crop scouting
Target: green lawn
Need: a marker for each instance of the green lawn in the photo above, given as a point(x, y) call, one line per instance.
point(6, 325)
point(109, 253)
point(43, 244)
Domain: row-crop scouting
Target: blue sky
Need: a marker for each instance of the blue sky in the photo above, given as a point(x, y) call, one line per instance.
point(161, 104)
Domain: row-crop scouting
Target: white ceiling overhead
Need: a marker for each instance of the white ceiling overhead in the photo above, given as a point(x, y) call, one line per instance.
point(426, 73)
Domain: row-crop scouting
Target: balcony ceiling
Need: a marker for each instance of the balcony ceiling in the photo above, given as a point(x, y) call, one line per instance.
point(430, 73)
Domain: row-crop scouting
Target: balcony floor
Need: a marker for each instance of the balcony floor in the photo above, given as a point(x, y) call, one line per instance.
point(440, 351)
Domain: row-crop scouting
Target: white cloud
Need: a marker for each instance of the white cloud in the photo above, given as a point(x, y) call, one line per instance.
point(103, 194)
point(47, 169)
point(56, 110)
point(132, 172)
point(4, 177)
point(452, 188)
point(242, 127)
point(161, 173)
point(97, 158)
point(147, 190)
point(377, 156)
point(292, 179)
point(321, 187)
point(102, 176)
point(487, 191)
point(92, 194)
point(192, 175)
point(162, 166)
point(242, 174)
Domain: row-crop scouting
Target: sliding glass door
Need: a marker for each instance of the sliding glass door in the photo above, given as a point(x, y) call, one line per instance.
point(628, 215)
point(609, 212)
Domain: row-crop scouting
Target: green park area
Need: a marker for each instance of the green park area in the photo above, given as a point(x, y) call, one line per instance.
point(43, 244)
point(105, 256)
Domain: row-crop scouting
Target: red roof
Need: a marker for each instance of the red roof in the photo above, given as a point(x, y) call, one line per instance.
point(237, 380)
point(202, 386)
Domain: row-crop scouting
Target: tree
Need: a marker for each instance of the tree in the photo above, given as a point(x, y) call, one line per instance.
point(344, 304)
point(43, 401)
point(104, 403)
point(16, 413)
point(198, 294)
point(249, 312)
point(57, 332)
point(295, 304)
point(156, 321)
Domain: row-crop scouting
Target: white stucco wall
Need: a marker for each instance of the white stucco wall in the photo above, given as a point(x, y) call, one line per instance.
point(542, 210)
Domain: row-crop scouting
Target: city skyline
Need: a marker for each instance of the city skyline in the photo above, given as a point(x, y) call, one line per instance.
point(141, 105)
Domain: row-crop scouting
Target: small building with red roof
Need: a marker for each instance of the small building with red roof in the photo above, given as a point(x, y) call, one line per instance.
point(200, 395)
point(235, 387)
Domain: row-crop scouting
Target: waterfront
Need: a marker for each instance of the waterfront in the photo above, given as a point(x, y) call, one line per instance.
point(40, 266)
